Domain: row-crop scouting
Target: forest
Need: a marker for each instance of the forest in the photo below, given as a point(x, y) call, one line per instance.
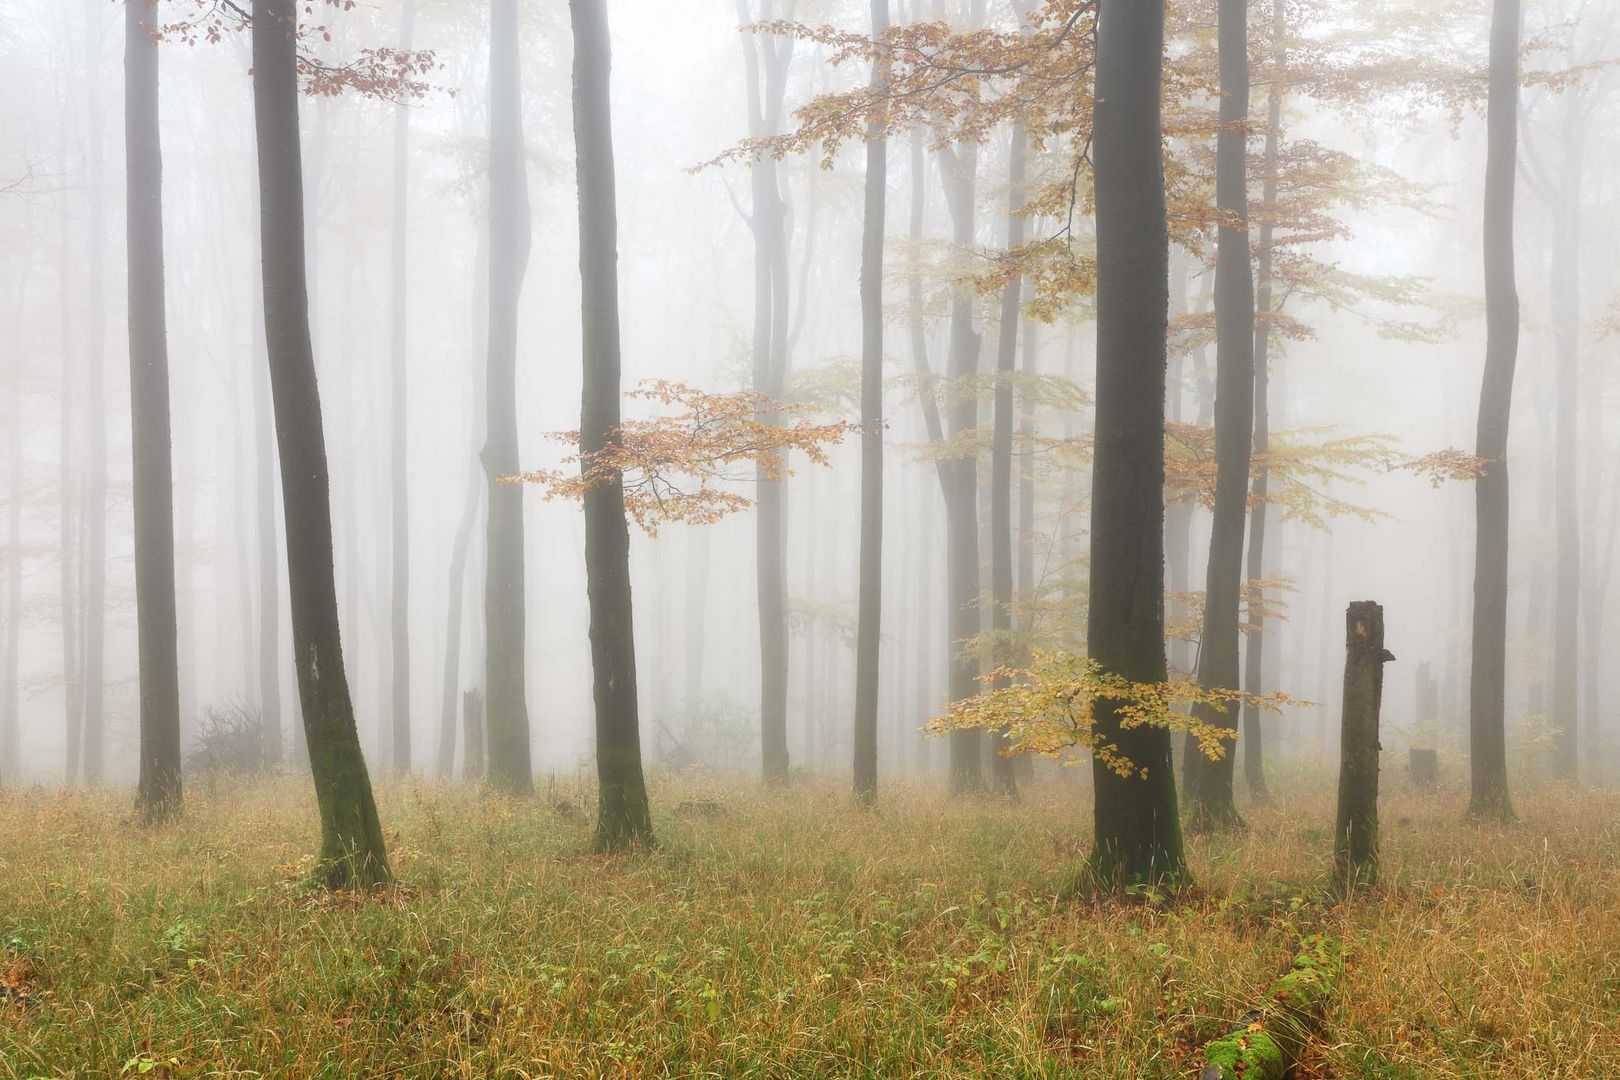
point(810, 538)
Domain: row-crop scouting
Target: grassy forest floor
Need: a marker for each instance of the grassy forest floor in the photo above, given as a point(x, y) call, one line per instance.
point(785, 934)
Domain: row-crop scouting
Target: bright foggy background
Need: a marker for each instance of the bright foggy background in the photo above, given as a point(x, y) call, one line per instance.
point(686, 293)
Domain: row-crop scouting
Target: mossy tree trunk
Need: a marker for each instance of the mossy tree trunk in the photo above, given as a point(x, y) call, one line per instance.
point(1137, 827)
point(352, 851)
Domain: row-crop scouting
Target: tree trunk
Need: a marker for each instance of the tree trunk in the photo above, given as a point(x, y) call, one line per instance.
point(960, 475)
point(1003, 778)
point(68, 547)
point(10, 689)
point(1355, 849)
point(622, 820)
point(1488, 796)
point(1254, 772)
point(269, 550)
point(1212, 802)
point(1566, 306)
point(504, 589)
point(1137, 827)
point(473, 751)
point(95, 523)
point(766, 67)
point(400, 606)
point(869, 618)
point(352, 852)
point(156, 619)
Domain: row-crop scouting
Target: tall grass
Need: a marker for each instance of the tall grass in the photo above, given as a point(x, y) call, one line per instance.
point(784, 934)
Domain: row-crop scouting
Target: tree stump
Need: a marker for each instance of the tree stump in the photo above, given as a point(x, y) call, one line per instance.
point(1355, 853)
point(1424, 767)
point(472, 726)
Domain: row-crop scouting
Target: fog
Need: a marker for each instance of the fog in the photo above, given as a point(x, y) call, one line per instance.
point(686, 289)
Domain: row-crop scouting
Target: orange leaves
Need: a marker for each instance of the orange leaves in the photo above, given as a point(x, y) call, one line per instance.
point(681, 467)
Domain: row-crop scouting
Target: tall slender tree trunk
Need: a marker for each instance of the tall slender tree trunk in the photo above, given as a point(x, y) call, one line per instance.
point(461, 550)
point(1137, 826)
point(10, 660)
point(68, 548)
point(960, 476)
point(766, 67)
point(1003, 778)
point(1254, 772)
point(1212, 789)
point(95, 579)
point(1488, 795)
point(352, 852)
point(400, 606)
point(869, 618)
point(156, 620)
point(1566, 305)
point(622, 820)
point(506, 709)
point(269, 554)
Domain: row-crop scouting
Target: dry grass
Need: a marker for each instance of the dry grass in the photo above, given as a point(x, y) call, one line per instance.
point(784, 934)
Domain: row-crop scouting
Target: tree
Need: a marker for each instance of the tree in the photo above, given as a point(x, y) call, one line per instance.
point(506, 710)
point(766, 64)
point(869, 617)
point(400, 612)
point(352, 851)
point(1137, 827)
point(1212, 780)
point(622, 820)
point(160, 784)
point(1488, 794)
point(94, 593)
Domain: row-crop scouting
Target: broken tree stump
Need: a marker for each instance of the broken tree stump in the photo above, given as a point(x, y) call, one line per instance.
point(1269, 1041)
point(1355, 849)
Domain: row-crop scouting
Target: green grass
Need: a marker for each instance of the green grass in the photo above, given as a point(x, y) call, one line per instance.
point(784, 934)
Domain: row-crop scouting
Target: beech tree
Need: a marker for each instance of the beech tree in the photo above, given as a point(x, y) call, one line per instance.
point(1211, 780)
point(1488, 787)
point(505, 680)
point(622, 818)
point(1137, 827)
point(870, 619)
point(160, 786)
point(352, 851)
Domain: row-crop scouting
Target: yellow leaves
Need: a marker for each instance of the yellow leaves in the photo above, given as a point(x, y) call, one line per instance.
point(1047, 708)
point(1444, 465)
point(674, 468)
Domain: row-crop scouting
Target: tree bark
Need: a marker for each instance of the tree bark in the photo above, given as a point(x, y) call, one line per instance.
point(1488, 796)
point(1003, 778)
point(1254, 772)
point(1355, 849)
point(1137, 826)
point(68, 546)
point(1212, 788)
point(869, 618)
point(766, 67)
point(400, 606)
point(507, 713)
point(622, 820)
point(95, 519)
point(156, 619)
point(352, 852)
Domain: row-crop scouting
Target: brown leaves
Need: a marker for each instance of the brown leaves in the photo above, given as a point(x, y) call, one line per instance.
point(680, 467)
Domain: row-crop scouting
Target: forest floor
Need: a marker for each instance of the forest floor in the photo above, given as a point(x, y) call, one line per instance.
point(785, 934)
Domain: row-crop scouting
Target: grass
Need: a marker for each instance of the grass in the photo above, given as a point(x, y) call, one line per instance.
point(785, 934)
